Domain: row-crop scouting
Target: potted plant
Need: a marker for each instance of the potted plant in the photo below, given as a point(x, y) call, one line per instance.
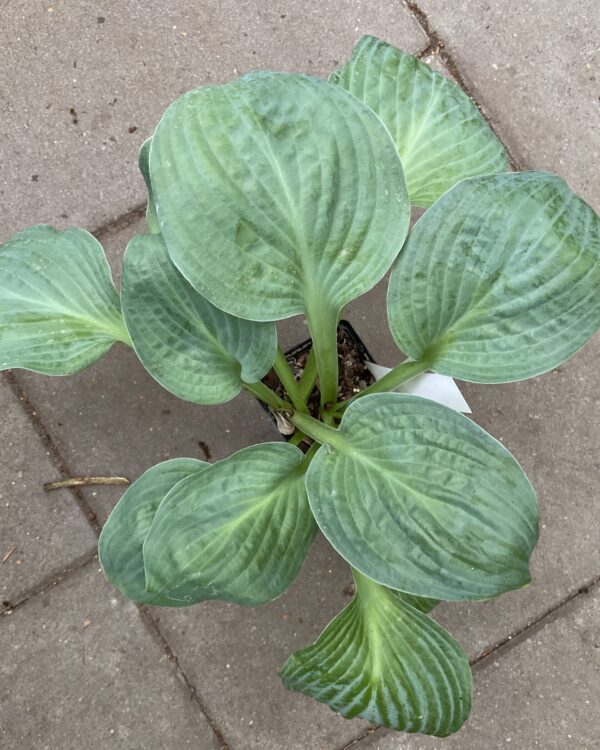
point(278, 195)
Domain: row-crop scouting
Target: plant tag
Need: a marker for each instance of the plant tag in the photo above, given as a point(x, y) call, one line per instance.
point(440, 388)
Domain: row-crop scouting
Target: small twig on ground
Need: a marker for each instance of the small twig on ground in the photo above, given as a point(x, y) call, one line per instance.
point(83, 482)
point(8, 554)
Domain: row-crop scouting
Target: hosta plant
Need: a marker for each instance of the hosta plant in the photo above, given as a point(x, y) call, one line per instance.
point(278, 195)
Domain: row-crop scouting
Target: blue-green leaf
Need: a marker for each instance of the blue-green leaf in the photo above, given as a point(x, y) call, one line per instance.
point(144, 164)
point(59, 310)
point(383, 660)
point(440, 134)
point(499, 280)
point(122, 538)
point(420, 499)
point(240, 530)
point(192, 348)
point(278, 194)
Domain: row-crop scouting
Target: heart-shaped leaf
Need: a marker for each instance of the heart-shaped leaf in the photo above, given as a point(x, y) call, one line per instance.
point(278, 194)
point(419, 498)
point(440, 134)
point(144, 164)
point(192, 348)
point(122, 538)
point(384, 661)
point(238, 531)
point(499, 280)
point(59, 310)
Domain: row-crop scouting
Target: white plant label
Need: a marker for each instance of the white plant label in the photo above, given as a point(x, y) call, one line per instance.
point(440, 388)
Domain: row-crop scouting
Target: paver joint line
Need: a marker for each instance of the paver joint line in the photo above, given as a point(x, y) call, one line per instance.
point(551, 614)
point(8, 607)
point(48, 442)
point(438, 47)
point(431, 50)
point(363, 736)
point(154, 629)
point(116, 225)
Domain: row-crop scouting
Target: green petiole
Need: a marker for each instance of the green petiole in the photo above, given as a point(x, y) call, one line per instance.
point(309, 376)
point(289, 382)
point(266, 394)
point(400, 374)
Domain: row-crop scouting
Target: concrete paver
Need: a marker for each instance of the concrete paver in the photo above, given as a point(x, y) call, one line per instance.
point(40, 534)
point(536, 71)
point(82, 84)
point(541, 693)
point(79, 669)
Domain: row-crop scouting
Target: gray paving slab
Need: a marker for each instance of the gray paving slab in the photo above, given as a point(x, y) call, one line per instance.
point(536, 71)
point(542, 693)
point(82, 84)
point(40, 534)
point(80, 669)
point(233, 654)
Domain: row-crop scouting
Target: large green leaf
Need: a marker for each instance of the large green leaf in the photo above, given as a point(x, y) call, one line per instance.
point(499, 280)
point(192, 348)
point(278, 194)
point(383, 660)
point(238, 531)
point(122, 538)
point(419, 498)
point(59, 310)
point(440, 134)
